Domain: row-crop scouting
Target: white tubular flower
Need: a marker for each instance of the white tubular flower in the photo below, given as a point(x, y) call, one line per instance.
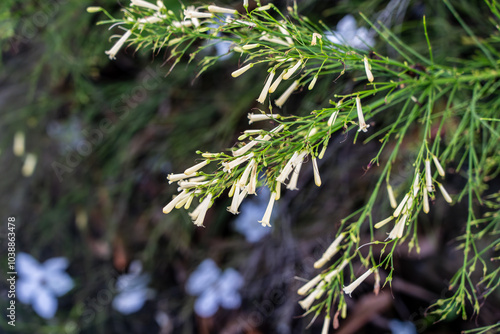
point(317, 177)
point(236, 199)
point(326, 324)
point(267, 215)
point(245, 3)
point(397, 231)
point(242, 196)
point(236, 162)
point(401, 205)
point(263, 8)
point(114, 50)
point(428, 176)
point(242, 150)
point(277, 190)
point(336, 271)
point(188, 202)
point(252, 185)
point(160, 4)
point(287, 34)
point(309, 285)
point(291, 70)
point(426, 201)
point(292, 185)
point(202, 210)
point(250, 46)
point(265, 90)
point(351, 287)
point(438, 166)
point(309, 300)
point(362, 124)
point(190, 13)
point(392, 198)
point(93, 9)
point(282, 99)
point(190, 184)
point(19, 143)
point(222, 10)
point(276, 82)
point(242, 70)
point(333, 118)
point(368, 69)
point(145, 4)
point(211, 155)
point(287, 169)
point(330, 252)
point(312, 83)
point(315, 37)
point(196, 167)
point(273, 40)
point(244, 177)
point(376, 286)
point(178, 24)
point(446, 196)
point(383, 222)
point(416, 185)
point(29, 165)
point(150, 19)
point(171, 205)
point(261, 117)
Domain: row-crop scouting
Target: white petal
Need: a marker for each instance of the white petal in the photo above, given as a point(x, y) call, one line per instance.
point(27, 266)
point(59, 283)
point(130, 301)
point(208, 303)
point(45, 304)
point(56, 264)
point(26, 289)
point(205, 275)
point(230, 300)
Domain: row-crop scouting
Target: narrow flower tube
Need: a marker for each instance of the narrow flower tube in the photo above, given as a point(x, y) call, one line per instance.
point(333, 118)
point(222, 10)
point(189, 14)
point(438, 166)
point(93, 9)
point(392, 198)
point(242, 70)
point(234, 203)
point(265, 90)
point(309, 285)
point(114, 50)
point(401, 205)
point(242, 196)
point(326, 324)
point(252, 185)
point(287, 34)
point(330, 252)
point(261, 117)
point(425, 201)
point(336, 271)
point(263, 8)
point(416, 185)
point(292, 185)
point(446, 196)
point(250, 46)
point(171, 205)
point(196, 167)
point(282, 99)
point(273, 40)
point(245, 3)
point(285, 172)
point(383, 222)
point(351, 287)
point(203, 207)
point(267, 215)
point(145, 4)
point(246, 173)
point(397, 231)
point(29, 165)
point(428, 176)
point(368, 69)
point(276, 82)
point(376, 286)
point(317, 177)
point(312, 83)
point(362, 124)
point(315, 37)
point(291, 70)
point(307, 302)
point(236, 162)
point(19, 143)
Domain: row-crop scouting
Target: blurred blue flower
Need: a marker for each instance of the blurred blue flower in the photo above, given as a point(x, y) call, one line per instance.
point(132, 290)
point(402, 327)
point(214, 288)
point(41, 284)
point(349, 34)
point(252, 210)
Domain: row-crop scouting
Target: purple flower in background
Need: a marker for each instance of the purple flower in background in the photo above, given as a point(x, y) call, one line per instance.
point(132, 290)
point(349, 34)
point(214, 288)
point(41, 284)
